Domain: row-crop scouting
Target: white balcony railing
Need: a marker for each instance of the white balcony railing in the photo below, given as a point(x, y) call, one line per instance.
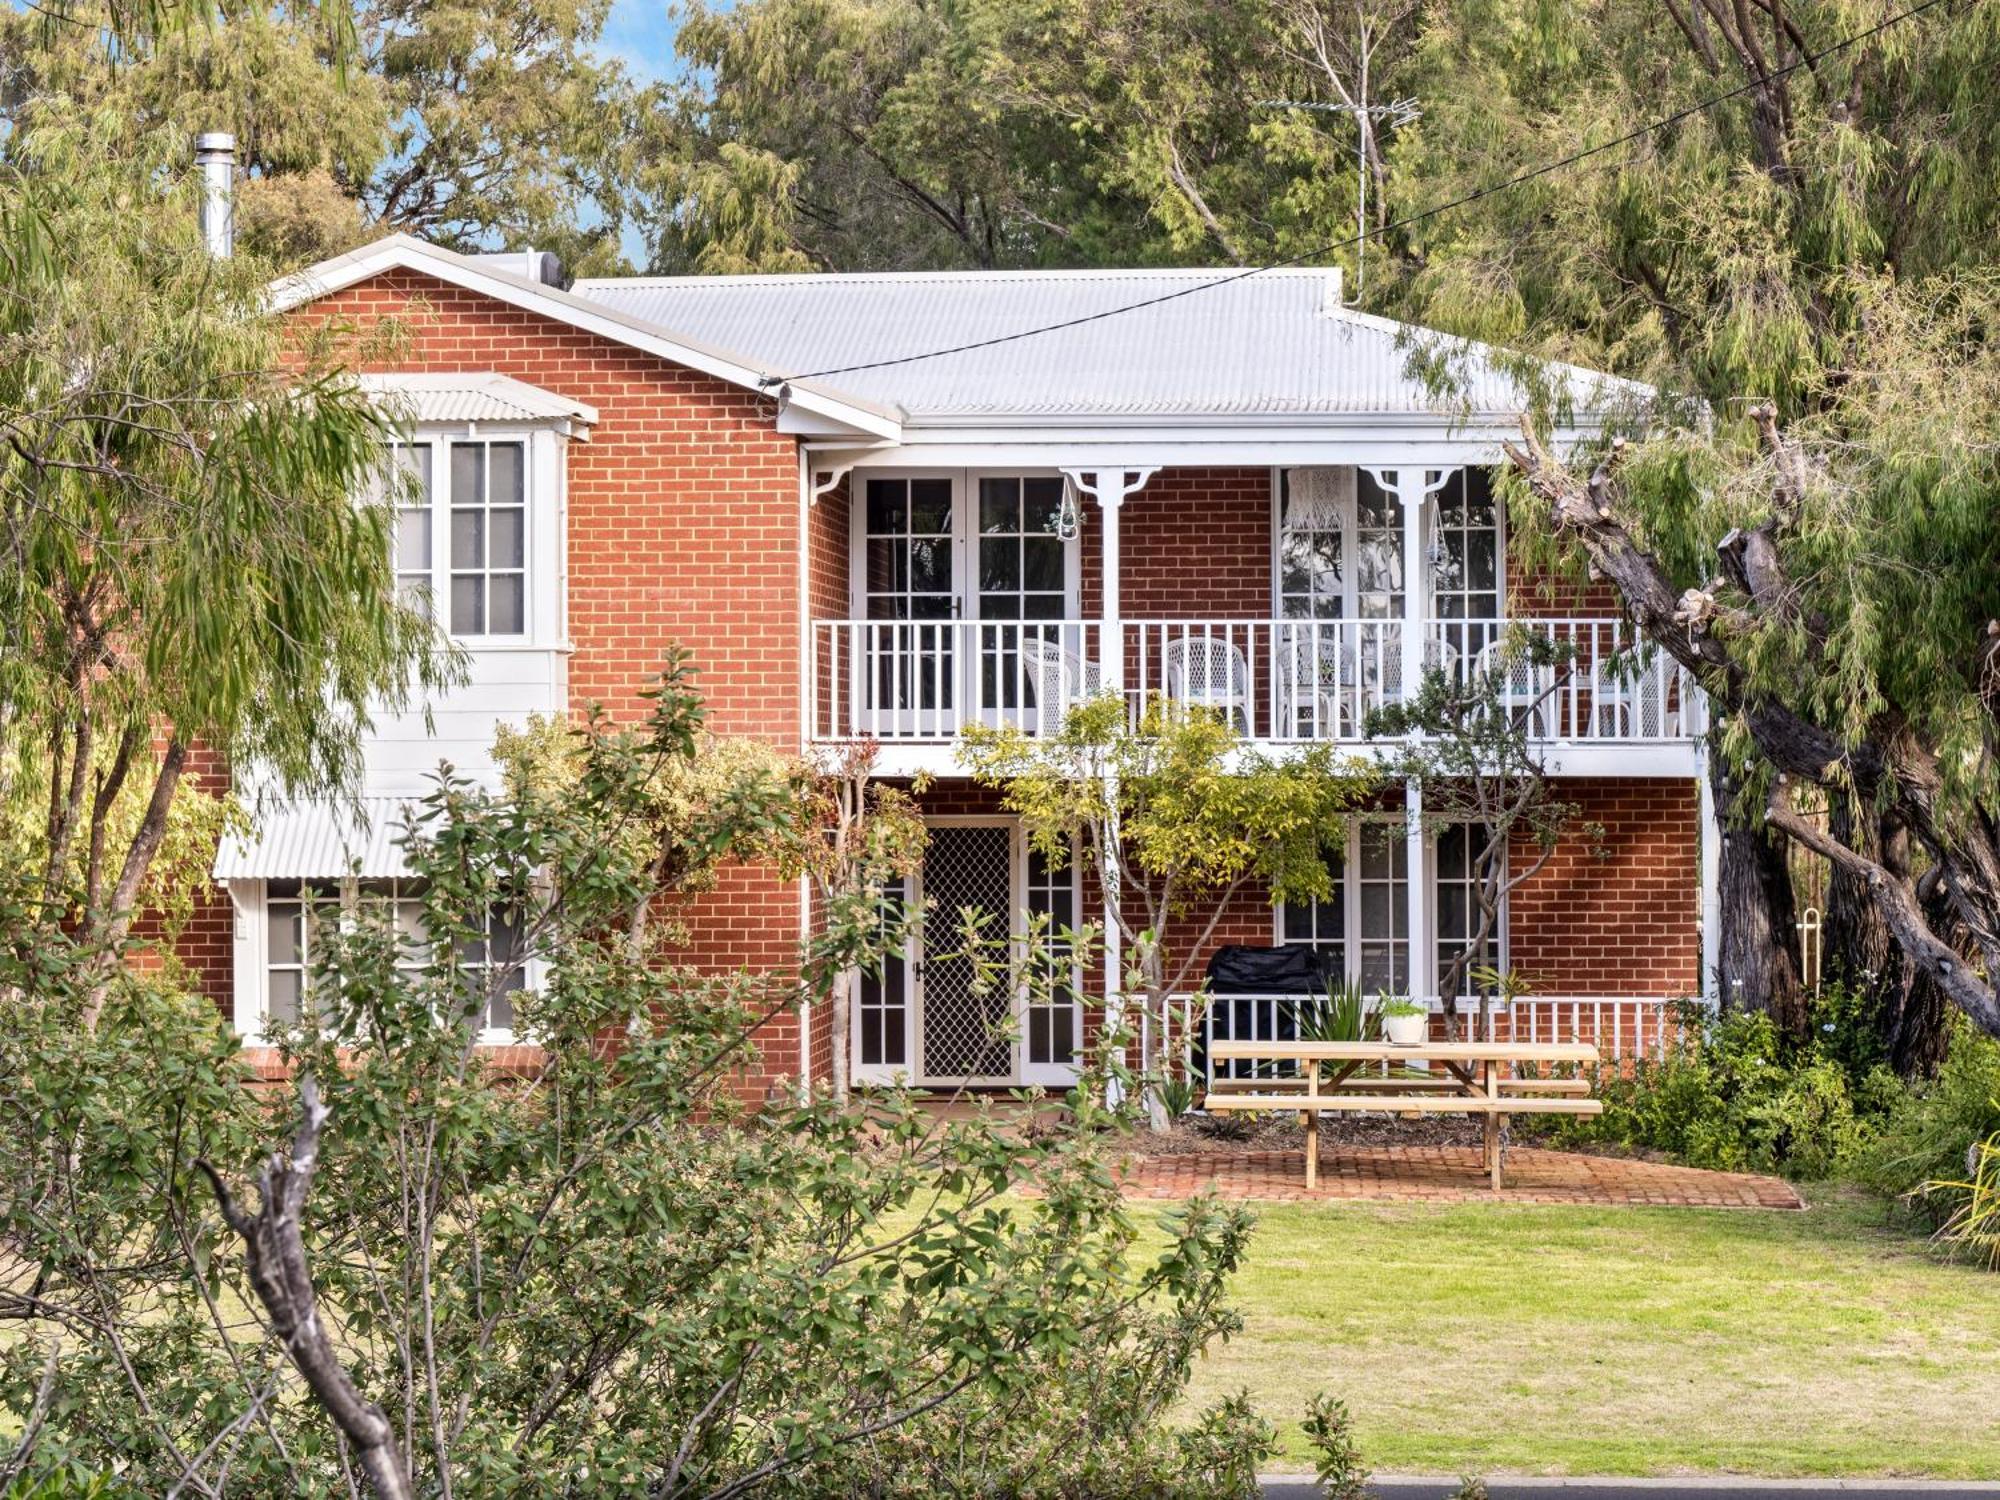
point(924, 681)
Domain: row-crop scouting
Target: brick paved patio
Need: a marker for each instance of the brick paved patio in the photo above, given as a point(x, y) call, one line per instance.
point(1450, 1174)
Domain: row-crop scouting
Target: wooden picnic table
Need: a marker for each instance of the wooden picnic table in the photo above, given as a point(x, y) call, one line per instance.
point(1472, 1078)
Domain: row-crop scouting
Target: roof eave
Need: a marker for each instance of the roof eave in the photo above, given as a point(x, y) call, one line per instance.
point(406, 252)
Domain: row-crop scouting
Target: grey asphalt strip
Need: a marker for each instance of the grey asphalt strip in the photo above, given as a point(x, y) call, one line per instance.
point(1301, 1487)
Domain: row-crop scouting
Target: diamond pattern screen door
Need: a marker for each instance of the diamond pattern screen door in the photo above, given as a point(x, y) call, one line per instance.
point(966, 1034)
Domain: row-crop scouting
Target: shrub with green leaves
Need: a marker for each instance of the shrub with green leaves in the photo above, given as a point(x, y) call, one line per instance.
point(1733, 1093)
point(603, 1274)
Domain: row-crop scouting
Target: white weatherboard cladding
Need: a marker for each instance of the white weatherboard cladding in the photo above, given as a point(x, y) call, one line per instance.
point(1266, 345)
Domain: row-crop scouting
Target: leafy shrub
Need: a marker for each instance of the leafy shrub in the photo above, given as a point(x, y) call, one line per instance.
point(1733, 1094)
point(606, 1275)
point(1932, 1126)
point(1337, 1458)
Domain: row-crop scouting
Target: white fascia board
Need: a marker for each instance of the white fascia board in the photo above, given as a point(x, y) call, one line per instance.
point(1373, 442)
point(405, 252)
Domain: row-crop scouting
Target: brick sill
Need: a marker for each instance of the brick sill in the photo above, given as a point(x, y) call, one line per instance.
point(508, 1060)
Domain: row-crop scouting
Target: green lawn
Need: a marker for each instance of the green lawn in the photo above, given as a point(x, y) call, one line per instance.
point(1623, 1341)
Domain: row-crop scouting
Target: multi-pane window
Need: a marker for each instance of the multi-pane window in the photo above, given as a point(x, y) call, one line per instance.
point(1314, 506)
point(294, 911)
point(1364, 924)
point(1465, 555)
point(1382, 882)
point(1023, 566)
point(493, 971)
point(410, 466)
point(297, 914)
point(1322, 924)
point(882, 1010)
point(489, 538)
point(460, 532)
point(1378, 551)
point(1457, 881)
point(1052, 1006)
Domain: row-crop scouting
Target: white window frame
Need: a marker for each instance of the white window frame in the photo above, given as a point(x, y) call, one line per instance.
point(543, 547)
point(965, 536)
point(250, 992)
point(1350, 889)
point(1349, 557)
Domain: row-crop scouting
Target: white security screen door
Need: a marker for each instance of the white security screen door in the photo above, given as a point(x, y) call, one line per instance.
point(923, 1020)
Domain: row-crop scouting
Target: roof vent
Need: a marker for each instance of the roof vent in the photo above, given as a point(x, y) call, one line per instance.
point(535, 265)
point(215, 155)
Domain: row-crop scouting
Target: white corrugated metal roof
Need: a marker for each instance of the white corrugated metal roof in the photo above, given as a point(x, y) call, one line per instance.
point(319, 841)
point(1226, 345)
point(474, 396)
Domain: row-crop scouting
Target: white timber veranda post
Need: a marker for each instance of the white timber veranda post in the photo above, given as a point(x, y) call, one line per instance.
point(1109, 487)
point(1711, 877)
point(1413, 486)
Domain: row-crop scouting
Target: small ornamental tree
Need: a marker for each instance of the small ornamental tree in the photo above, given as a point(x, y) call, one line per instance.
point(1468, 741)
point(600, 1272)
point(1173, 818)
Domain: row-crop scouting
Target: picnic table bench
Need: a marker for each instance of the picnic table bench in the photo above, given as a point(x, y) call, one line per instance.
point(1470, 1078)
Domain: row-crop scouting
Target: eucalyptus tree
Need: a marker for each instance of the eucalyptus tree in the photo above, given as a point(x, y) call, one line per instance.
point(463, 121)
point(185, 569)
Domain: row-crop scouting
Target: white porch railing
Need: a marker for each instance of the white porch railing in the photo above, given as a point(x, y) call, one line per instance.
point(923, 681)
point(1622, 1027)
point(1598, 684)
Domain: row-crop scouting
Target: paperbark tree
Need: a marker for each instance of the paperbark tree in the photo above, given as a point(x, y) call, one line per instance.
point(1809, 690)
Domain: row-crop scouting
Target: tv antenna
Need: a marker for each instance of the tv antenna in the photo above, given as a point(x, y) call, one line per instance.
point(1396, 112)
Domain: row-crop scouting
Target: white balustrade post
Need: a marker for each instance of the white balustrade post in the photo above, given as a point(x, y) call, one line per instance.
point(1109, 487)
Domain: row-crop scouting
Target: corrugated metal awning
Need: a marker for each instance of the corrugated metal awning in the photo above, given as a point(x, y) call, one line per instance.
point(320, 841)
point(475, 396)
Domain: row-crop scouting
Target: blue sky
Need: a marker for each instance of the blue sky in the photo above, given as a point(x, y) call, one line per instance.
point(641, 34)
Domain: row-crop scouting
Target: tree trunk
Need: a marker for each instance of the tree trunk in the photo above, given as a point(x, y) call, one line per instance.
point(1759, 950)
point(1911, 1014)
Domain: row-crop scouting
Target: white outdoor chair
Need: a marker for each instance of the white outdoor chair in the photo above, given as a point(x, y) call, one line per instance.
point(1061, 680)
point(1211, 672)
point(1633, 703)
point(1317, 668)
point(1521, 687)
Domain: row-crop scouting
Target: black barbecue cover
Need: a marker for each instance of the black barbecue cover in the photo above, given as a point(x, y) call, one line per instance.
point(1237, 970)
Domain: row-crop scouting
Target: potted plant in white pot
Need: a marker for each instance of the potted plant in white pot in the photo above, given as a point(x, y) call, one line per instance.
point(1405, 1021)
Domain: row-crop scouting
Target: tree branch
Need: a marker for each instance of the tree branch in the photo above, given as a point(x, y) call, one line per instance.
point(276, 1253)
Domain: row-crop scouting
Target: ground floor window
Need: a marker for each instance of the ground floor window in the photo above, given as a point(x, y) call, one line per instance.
point(1363, 925)
point(283, 924)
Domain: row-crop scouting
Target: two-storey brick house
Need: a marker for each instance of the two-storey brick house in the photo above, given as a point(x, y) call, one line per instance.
point(1225, 489)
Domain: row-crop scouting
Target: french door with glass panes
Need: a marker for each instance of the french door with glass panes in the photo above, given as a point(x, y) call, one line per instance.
point(1339, 557)
point(926, 1019)
point(963, 579)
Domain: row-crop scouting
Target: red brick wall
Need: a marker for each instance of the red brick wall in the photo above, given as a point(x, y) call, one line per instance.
point(683, 506)
point(1618, 912)
point(683, 528)
point(1193, 544)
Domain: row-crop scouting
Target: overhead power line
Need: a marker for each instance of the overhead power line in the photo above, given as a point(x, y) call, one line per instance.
point(1319, 252)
